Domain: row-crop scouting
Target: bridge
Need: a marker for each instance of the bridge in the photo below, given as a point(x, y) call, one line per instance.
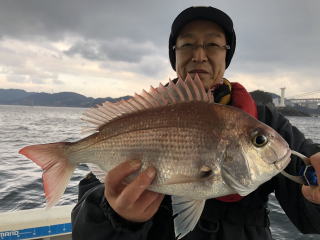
point(307, 99)
point(313, 103)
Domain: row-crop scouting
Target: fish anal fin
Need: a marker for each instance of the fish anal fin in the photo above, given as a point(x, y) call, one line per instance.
point(187, 214)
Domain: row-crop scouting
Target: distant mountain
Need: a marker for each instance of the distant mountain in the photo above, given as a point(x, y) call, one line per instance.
point(262, 97)
point(71, 99)
point(8, 95)
point(62, 99)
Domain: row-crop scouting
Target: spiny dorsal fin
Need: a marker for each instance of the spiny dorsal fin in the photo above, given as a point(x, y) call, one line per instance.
point(179, 92)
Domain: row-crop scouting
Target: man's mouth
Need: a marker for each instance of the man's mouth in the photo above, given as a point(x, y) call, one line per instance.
point(198, 71)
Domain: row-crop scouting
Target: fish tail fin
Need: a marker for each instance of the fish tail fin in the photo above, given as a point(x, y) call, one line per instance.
point(57, 169)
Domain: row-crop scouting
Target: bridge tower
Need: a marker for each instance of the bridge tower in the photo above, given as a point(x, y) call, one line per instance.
point(282, 104)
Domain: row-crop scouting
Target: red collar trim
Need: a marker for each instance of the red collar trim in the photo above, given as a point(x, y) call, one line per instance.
point(242, 99)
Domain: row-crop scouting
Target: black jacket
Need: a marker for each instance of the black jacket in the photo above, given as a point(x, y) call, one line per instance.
point(94, 219)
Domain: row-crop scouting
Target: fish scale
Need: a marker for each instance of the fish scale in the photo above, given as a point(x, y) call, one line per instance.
point(156, 147)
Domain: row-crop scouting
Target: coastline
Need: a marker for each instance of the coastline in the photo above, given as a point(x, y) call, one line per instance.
point(292, 112)
point(286, 111)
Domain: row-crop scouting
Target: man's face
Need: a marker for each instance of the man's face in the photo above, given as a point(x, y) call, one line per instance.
point(209, 65)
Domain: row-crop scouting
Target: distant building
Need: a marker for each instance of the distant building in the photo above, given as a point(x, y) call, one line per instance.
point(280, 101)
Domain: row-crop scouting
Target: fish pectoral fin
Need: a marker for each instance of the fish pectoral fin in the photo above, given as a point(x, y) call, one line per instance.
point(187, 213)
point(181, 179)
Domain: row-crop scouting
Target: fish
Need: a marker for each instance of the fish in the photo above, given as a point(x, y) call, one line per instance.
point(200, 149)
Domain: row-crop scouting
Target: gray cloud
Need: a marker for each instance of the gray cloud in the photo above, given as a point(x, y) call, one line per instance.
point(151, 66)
point(20, 78)
point(57, 82)
point(123, 50)
point(278, 36)
point(126, 50)
point(17, 78)
point(94, 19)
point(27, 74)
point(272, 36)
point(123, 55)
point(37, 80)
point(87, 50)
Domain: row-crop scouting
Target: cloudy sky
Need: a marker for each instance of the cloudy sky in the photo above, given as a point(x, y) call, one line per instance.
point(103, 48)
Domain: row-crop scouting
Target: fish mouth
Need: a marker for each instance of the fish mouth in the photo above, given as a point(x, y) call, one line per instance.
point(282, 162)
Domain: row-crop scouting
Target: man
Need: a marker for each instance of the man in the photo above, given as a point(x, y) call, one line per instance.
point(202, 41)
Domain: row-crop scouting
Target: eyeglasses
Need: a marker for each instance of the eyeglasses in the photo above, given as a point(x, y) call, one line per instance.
point(209, 48)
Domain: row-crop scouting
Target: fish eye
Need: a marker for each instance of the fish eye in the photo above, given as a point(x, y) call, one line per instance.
point(259, 140)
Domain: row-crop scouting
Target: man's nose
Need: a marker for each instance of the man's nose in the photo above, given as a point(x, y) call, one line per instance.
point(199, 54)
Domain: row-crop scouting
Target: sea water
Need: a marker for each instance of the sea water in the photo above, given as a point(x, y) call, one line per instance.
point(20, 179)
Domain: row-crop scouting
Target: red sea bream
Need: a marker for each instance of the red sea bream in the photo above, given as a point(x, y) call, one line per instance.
point(200, 149)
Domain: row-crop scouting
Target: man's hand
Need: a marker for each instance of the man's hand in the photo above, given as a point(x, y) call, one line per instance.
point(132, 201)
point(312, 193)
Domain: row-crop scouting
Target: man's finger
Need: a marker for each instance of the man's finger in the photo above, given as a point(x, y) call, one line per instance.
point(154, 206)
point(139, 185)
point(115, 176)
point(315, 162)
point(147, 198)
point(311, 193)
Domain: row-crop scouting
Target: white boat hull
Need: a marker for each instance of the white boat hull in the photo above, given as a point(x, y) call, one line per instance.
point(40, 223)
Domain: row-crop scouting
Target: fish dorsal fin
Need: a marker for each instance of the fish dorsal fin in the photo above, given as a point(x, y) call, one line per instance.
point(179, 92)
point(187, 213)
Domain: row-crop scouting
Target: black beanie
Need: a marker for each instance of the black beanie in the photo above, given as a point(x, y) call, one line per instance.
point(205, 13)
